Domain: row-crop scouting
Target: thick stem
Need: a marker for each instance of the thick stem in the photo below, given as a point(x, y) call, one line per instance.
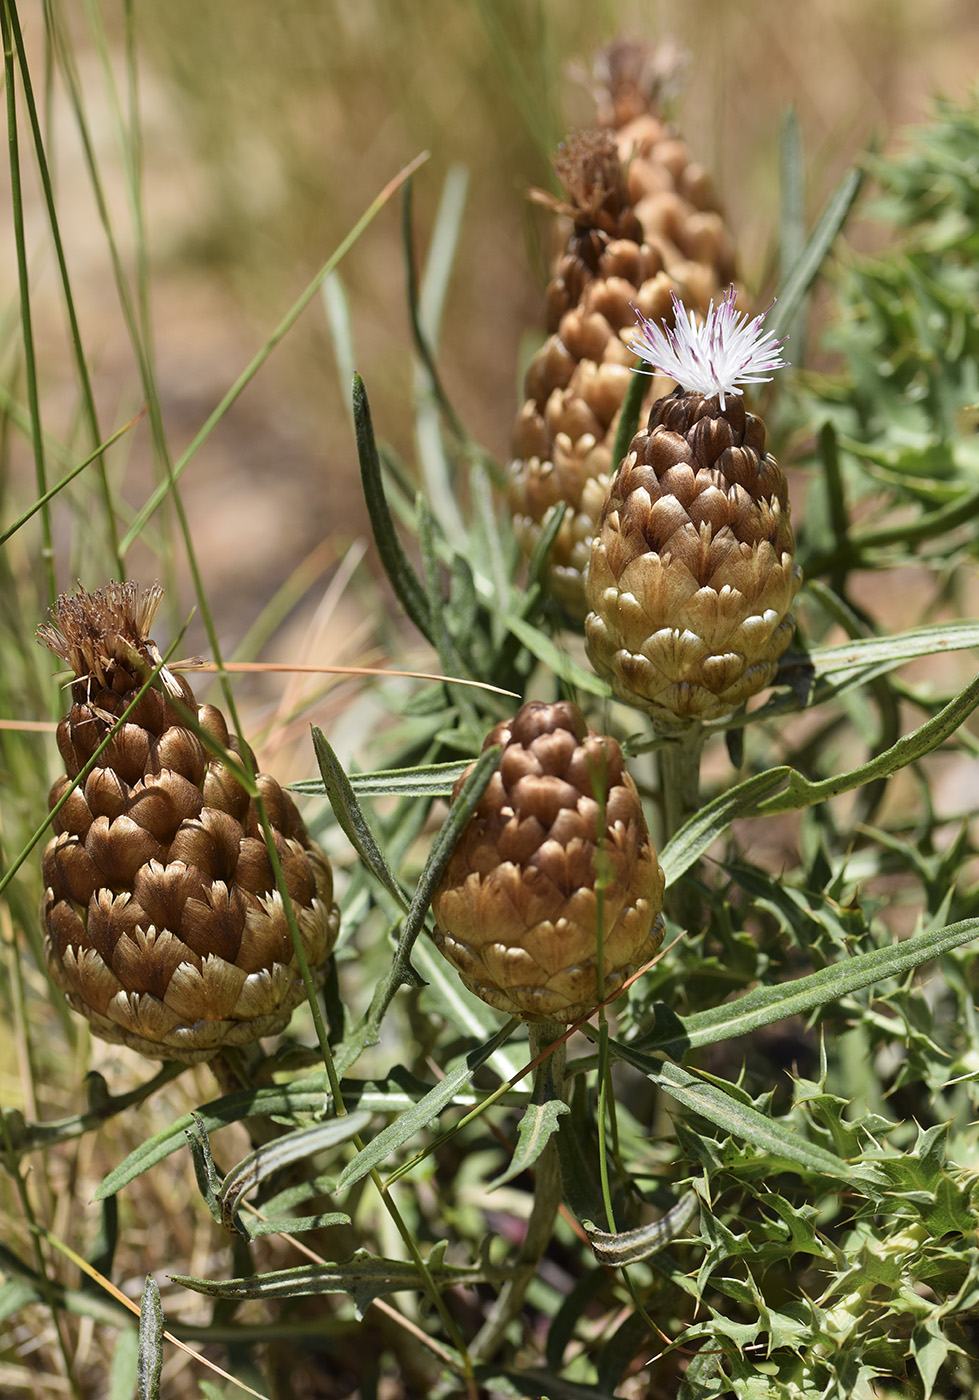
point(549, 1078)
point(679, 775)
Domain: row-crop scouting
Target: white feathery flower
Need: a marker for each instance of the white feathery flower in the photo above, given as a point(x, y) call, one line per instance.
point(712, 357)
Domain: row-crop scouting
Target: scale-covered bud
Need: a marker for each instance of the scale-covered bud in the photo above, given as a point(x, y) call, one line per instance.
point(163, 924)
point(552, 897)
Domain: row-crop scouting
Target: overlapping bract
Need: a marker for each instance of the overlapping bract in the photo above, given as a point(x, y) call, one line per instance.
point(691, 576)
point(556, 856)
point(164, 926)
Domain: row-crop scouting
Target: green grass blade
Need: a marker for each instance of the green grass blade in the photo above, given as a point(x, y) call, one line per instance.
point(249, 372)
point(803, 274)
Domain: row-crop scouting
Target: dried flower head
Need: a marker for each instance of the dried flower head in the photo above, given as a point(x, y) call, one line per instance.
point(163, 922)
point(555, 855)
point(714, 356)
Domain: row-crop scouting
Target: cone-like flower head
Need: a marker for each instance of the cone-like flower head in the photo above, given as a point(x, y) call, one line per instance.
point(163, 923)
point(518, 910)
point(644, 224)
point(691, 575)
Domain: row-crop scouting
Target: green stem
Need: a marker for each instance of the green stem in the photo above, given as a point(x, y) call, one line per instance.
point(547, 1199)
point(679, 775)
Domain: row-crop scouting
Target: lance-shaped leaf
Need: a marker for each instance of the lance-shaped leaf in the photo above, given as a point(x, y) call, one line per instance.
point(420, 1114)
point(699, 833)
point(350, 816)
point(804, 792)
point(365, 1276)
point(149, 1362)
point(730, 1112)
point(393, 1095)
point(540, 1121)
point(764, 1005)
point(397, 566)
point(282, 1152)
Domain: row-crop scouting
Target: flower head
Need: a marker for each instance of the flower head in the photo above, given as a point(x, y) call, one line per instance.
point(712, 357)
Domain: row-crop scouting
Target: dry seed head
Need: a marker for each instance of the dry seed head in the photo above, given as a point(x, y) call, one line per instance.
point(518, 911)
point(691, 576)
point(633, 77)
point(645, 225)
point(163, 924)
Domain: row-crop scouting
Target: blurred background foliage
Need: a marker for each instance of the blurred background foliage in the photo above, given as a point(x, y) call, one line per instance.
point(267, 130)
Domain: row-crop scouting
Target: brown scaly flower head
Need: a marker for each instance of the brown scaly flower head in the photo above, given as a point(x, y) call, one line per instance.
point(516, 911)
point(163, 923)
point(692, 575)
point(644, 224)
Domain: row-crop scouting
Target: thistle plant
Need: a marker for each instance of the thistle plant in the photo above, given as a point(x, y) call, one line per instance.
point(689, 1106)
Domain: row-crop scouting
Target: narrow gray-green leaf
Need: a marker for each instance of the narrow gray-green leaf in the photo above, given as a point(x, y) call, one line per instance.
point(349, 815)
point(895, 649)
point(806, 269)
point(425, 780)
point(633, 1246)
point(732, 1116)
point(208, 1180)
point(555, 659)
point(538, 1124)
point(366, 1276)
point(292, 1224)
point(697, 834)
point(764, 1005)
point(803, 792)
point(414, 1119)
point(271, 1157)
point(150, 1359)
point(281, 1100)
